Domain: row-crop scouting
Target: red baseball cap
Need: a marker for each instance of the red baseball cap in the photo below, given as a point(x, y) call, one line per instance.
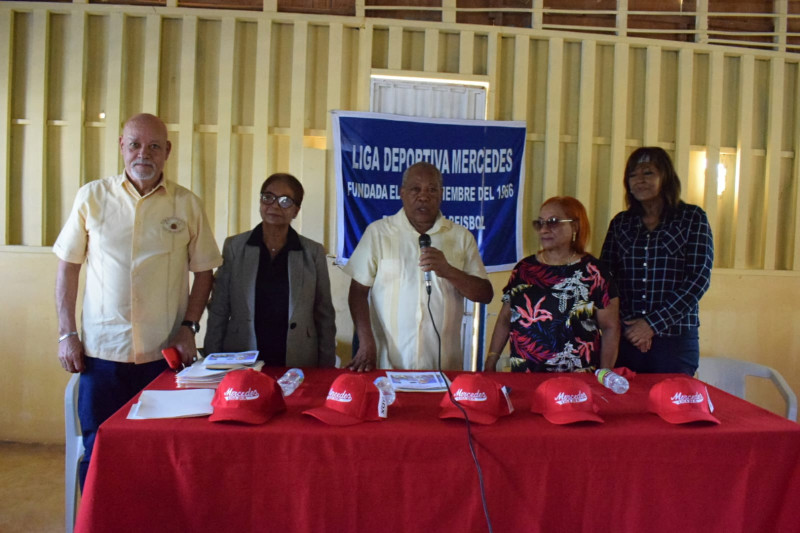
point(352, 398)
point(565, 400)
point(681, 400)
point(483, 399)
point(247, 396)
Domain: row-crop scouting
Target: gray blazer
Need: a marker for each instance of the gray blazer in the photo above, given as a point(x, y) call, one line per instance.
point(310, 339)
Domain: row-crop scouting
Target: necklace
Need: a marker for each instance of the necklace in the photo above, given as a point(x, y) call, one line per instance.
point(273, 250)
point(274, 235)
point(549, 263)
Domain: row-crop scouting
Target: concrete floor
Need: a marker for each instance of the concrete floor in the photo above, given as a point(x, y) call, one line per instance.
point(31, 488)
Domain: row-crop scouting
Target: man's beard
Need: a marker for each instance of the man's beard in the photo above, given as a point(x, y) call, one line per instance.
point(147, 173)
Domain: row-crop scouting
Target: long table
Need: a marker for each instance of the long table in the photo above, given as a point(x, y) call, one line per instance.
point(414, 471)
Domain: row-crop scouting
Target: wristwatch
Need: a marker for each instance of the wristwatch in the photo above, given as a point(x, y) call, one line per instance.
point(192, 325)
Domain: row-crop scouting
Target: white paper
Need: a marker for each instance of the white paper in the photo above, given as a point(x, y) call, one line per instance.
point(231, 359)
point(198, 376)
point(199, 370)
point(172, 404)
point(418, 381)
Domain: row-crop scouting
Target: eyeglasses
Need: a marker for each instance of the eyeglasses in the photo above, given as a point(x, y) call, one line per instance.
point(551, 223)
point(267, 198)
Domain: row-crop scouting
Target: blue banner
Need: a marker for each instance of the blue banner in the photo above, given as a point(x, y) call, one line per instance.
point(482, 164)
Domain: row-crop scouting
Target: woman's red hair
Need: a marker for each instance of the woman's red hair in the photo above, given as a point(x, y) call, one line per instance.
point(574, 209)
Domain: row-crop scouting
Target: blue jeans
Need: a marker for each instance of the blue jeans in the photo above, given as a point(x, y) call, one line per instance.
point(104, 387)
point(667, 355)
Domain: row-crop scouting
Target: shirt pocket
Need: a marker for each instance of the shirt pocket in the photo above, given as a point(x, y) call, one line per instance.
point(674, 245)
point(173, 234)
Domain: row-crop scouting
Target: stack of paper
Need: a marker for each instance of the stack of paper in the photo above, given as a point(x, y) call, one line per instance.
point(172, 404)
point(230, 360)
point(201, 375)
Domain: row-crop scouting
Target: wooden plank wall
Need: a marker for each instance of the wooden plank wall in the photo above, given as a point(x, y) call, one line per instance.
point(246, 94)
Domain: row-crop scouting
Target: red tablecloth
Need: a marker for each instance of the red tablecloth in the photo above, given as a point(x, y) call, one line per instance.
point(414, 471)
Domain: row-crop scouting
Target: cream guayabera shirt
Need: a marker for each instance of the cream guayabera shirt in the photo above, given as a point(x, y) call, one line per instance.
point(138, 252)
point(387, 260)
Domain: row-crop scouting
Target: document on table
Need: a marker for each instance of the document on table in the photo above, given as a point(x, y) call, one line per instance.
point(200, 377)
point(230, 360)
point(172, 404)
point(418, 381)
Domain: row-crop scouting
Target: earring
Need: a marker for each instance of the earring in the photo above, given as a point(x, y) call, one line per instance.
point(573, 236)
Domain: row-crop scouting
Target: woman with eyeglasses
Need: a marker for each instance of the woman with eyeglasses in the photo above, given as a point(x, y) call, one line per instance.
point(272, 293)
point(559, 308)
point(660, 252)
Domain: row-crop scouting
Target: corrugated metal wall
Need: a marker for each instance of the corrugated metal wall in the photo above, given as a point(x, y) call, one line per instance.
point(247, 94)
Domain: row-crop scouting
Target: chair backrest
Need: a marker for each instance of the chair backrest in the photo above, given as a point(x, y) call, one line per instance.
point(73, 453)
point(730, 375)
point(72, 424)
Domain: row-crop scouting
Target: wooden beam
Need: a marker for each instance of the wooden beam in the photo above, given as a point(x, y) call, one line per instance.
point(431, 58)
point(701, 22)
point(261, 114)
point(297, 113)
point(714, 89)
point(225, 204)
point(336, 55)
point(772, 174)
point(188, 66)
point(619, 121)
point(493, 72)
point(552, 133)
point(744, 166)
point(152, 64)
point(72, 175)
point(364, 66)
point(33, 189)
point(796, 173)
point(684, 112)
point(781, 24)
point(652, 96)
point(622, 18)
point(395, 52)
point(7, 30)
point(585, 148)
point(466, 53)
point(114, 83)
point(449, 11)
point(537, 18)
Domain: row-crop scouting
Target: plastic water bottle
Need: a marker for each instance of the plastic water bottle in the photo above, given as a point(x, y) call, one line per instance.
point(386, 388)
point(612, 380)
point(291, 380)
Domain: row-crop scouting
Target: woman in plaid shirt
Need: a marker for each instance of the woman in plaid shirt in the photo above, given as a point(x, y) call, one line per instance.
point(660, 252)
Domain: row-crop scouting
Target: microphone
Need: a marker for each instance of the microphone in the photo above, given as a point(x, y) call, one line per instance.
point(424, 242)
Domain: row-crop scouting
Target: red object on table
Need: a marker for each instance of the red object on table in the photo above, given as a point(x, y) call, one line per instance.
point(414, 472)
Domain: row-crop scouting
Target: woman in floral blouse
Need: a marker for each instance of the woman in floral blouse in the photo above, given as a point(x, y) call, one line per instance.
point(559, 308)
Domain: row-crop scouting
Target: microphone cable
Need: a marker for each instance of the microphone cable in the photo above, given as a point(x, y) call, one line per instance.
point(466, 419)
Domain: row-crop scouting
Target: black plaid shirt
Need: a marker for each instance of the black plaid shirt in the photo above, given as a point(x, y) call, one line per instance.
point(661, 274)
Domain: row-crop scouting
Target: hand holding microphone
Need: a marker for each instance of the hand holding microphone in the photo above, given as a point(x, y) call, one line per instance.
point(425, 242)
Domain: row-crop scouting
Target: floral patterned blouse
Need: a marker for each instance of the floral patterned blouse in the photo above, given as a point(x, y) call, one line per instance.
point(554, 314)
